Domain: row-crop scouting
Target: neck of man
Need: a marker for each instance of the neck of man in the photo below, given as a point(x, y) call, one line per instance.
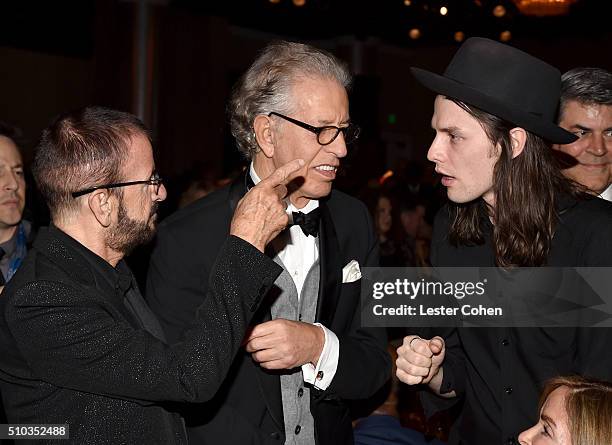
point(298, 200)
point(264, 167)
point(7, 232)
point(489, 200)
point(91, 239)
point(602, 191)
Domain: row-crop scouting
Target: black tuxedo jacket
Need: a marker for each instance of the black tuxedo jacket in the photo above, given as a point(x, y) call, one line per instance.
point(248, 408)
point(72, 352)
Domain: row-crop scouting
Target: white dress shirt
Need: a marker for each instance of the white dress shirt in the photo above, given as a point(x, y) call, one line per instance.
point(299, 252)
point(607, 193)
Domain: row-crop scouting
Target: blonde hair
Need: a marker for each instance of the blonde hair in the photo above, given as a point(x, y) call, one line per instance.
point(589, 408)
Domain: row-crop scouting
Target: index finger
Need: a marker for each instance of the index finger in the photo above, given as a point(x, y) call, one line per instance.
point(282, 174)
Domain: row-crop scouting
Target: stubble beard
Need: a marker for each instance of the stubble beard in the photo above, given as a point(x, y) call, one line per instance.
point(128, 233)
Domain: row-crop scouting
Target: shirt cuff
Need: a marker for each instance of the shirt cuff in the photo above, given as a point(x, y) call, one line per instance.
point(322, 375)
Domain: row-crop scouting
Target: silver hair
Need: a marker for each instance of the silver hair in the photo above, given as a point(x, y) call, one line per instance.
point(587, 86)
point(266, 86)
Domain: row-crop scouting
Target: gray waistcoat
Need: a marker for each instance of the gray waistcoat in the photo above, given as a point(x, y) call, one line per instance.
point(299, 424)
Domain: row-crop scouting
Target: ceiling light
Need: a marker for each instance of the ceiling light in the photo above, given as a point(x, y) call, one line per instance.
point(544, 7)
point(499, 11)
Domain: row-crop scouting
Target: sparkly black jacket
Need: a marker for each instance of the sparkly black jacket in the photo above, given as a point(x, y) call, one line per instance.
point(72, 352)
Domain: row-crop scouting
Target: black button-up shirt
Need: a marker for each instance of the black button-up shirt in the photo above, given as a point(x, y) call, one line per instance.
point(499, 372)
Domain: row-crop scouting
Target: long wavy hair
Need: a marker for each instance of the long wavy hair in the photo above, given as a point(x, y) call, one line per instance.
point(525, 188)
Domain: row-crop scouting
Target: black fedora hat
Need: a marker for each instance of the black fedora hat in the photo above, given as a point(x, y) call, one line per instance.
point(505, 82)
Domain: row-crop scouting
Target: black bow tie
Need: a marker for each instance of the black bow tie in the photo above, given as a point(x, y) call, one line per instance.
point(309, 222)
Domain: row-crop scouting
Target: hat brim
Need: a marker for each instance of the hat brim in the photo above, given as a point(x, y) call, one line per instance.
point(464, 93)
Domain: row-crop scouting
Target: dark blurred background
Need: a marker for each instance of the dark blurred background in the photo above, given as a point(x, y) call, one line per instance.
point(173, 62)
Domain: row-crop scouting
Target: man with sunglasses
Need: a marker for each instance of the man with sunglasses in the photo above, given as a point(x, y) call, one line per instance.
point(81, 352)
point(307, 354)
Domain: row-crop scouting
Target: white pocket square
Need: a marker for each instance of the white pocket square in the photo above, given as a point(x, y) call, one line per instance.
point(351, 272)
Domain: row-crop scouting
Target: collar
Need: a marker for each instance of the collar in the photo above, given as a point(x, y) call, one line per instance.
point(10, 245)
point(119, 277)
point(607, 193)
point(312, 203)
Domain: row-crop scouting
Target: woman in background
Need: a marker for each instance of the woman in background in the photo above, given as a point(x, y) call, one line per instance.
point(573, 411)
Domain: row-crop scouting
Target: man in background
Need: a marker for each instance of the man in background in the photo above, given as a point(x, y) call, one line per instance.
point(586, 110)
point(14, 231)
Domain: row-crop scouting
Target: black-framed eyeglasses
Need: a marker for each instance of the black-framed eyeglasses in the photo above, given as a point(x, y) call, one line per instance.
point(327, 134)
point(156, 181)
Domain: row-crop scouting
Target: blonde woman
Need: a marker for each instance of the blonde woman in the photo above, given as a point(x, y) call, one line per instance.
point(573, 411)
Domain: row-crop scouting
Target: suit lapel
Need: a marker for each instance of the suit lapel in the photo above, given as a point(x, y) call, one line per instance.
point(331, 268)
point(237, 190)
point(269, 382)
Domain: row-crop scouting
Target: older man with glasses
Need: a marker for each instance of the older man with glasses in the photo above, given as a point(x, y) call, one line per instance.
point(306, 354)
point(81, 352)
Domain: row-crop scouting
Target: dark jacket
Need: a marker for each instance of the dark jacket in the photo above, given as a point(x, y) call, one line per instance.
point(248, 408)
point(74, 353)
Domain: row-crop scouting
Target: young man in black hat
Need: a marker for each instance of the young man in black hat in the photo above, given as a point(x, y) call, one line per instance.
point(510, 206)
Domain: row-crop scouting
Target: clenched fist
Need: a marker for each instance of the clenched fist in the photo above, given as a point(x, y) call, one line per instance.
point(285, 344)
point(419, 360)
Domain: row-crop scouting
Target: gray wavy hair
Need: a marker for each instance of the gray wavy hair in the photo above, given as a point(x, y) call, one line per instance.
point(266, 86)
